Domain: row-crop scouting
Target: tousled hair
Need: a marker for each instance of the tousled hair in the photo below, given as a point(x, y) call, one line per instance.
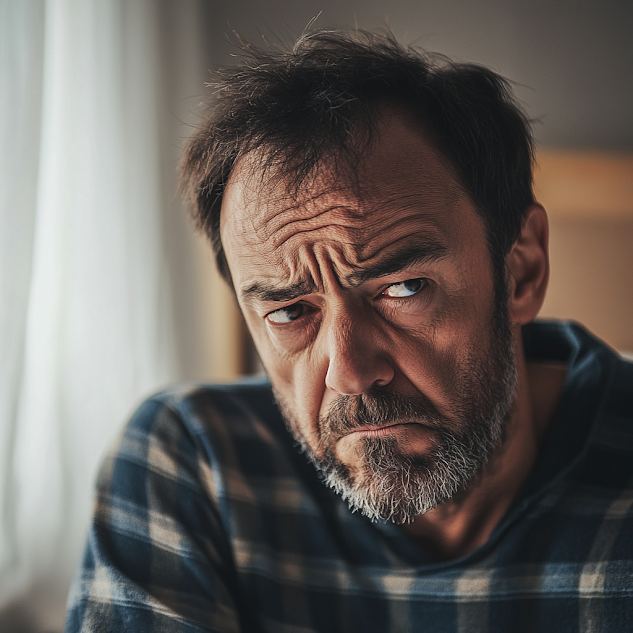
point(317, 102)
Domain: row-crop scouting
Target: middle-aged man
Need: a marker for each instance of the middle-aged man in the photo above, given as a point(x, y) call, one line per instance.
point(372, 208)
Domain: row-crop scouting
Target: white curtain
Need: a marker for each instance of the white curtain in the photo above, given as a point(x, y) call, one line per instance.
point(85, 325)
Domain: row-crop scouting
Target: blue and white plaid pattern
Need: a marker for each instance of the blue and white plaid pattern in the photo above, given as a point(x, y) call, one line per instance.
point(208, 519)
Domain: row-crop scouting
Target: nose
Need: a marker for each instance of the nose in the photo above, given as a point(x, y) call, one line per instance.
point(356, 358)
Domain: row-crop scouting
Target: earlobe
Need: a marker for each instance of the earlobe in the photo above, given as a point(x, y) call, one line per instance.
point(527, 266)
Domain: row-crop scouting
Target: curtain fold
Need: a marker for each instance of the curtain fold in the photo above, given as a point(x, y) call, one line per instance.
point(86, 325)
point(21, 67)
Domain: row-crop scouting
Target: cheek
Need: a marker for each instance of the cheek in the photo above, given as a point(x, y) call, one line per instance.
point(298, 381)
point(430, 366)
point(436, 358)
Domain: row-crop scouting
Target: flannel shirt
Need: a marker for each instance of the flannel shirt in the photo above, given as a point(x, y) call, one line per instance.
point(208, 518)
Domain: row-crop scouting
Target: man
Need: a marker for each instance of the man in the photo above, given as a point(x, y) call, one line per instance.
point(372, 209)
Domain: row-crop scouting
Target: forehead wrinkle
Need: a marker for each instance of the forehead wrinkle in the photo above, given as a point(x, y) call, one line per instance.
point(309, 271)
point(276, 222)
point(344, 222)
point(254, 210)
point(310, 261)
point(295, 274)
point(363, 244)
point(335, 235)
point(424, 241)
point(347, 231)
point(287, 282)
point(337, 260)
point(274, 199)
point(316, 263)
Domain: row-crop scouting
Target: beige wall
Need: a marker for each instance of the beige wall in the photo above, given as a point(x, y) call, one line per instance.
point(589, 198)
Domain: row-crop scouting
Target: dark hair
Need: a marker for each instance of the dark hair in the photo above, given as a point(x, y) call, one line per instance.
point(316, 102)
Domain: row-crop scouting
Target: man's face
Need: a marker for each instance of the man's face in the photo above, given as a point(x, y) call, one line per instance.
point(376, 318)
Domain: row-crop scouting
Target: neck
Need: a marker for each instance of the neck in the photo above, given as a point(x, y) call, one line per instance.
point(465, 522)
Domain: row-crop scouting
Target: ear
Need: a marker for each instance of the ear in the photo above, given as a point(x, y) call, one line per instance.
point(527, 266)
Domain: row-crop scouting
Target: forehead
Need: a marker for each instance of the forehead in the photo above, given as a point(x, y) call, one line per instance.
point(406, 193)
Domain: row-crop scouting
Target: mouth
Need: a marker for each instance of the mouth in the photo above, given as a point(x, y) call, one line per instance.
point(378, 430)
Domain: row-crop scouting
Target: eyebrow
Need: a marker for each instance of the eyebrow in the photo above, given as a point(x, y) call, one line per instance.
point(262, 292)
point(395, 262)
point(390, 264)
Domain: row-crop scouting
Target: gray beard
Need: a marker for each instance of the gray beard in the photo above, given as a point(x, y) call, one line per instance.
point(395, 486)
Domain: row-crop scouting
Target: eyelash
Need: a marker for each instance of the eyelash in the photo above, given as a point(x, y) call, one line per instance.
point(397, 300)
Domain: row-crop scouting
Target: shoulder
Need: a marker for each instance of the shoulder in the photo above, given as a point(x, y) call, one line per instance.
point(612, 439)
point(197, 437)
point(618, 403)
point(599, 386)
point(159, 554)
point(201, 405)
point(203, 414)
point(602, 494)
point(589, 450)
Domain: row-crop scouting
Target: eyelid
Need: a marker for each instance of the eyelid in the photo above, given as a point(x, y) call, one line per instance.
point(305, 310)
point(422, 297)
point(284, 306)
point(426, 280)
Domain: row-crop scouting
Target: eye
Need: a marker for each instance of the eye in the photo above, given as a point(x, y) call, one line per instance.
point(286, 315)
point(405, 288)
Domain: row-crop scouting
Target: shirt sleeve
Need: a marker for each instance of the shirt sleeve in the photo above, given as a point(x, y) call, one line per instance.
point(157, 556)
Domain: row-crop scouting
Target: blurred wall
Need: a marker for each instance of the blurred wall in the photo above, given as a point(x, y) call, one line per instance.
point(589, 197)
point(572, 62)
point(208, 326)
point(573, 59)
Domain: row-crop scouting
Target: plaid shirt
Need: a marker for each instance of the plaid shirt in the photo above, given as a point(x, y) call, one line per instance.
point(208, 519)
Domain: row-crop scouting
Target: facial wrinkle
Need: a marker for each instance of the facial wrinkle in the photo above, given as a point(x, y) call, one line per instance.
point(300, 274)
point(387, 231)
point(280, 224)
point(294, 229)
point(343, 258)
point(349, 269)
point(312, 264)
point(323, 263)
point(316, 205)
point(273, 210)
point(357, 242)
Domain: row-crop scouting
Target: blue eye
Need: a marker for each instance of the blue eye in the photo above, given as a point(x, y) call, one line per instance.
point(287, 314)
point(405, 288)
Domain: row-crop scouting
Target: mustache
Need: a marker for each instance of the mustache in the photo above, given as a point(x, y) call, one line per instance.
point(376, 408)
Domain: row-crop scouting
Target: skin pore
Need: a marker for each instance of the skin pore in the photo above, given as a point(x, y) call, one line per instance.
point(390, 291)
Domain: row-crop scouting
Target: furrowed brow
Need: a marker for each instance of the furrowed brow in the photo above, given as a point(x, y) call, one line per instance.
point(398, 261)
point(262, 292)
